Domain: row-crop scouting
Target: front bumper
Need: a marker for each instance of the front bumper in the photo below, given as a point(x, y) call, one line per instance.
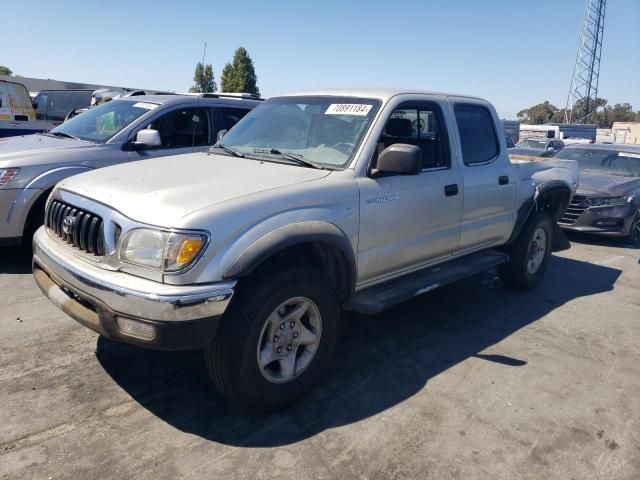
point(615, 220)
point(126, 308)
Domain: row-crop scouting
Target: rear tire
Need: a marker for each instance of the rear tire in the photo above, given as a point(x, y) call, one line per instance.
point(278, 336)
point(529, 254)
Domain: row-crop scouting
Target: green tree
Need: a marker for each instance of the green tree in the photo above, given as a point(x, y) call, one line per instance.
point(5, 70)
point(203, 79)
point(538, 114)
point(239, 75)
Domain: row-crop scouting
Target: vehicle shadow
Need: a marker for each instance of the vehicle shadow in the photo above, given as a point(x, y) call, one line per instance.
point(600, 240)
point(15, 260)
point(381, 360)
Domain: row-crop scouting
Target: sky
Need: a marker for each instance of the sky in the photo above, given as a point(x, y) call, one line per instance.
point(515, 53)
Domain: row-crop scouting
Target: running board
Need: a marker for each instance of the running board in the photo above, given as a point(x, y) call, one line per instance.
point(374, 299)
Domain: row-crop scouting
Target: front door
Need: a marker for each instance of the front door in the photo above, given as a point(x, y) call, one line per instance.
point(183, 130)
point(407, 221)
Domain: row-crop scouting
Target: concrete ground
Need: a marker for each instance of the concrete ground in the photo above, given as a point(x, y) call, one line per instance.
point(470, 381)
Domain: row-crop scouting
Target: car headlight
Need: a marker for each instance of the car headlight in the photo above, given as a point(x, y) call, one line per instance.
point(6, 174)
point(607, 201)
point(167, 251)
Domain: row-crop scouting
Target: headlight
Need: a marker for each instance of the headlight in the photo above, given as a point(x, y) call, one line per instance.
point(168, 251)
point(607, 201)
point(6, 174)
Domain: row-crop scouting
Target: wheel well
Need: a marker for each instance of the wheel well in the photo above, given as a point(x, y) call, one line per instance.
point(324, 256)
point(35, 208)
point(554, 202)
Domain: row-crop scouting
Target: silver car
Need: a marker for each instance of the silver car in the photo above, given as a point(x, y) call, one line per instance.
point(120, 131)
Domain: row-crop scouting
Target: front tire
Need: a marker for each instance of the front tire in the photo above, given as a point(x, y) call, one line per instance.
point(634, 232)
point(278, 336)
point(529, 254)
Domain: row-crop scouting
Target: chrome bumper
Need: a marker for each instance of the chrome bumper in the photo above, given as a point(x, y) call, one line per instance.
point(97, 298)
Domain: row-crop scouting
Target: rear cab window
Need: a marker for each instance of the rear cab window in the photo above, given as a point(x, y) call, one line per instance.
point(478, 138)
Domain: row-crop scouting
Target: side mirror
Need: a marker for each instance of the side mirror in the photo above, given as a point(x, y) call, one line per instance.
point(550, 148)
point(221, 134)
point(147, 138)
point(399, 159)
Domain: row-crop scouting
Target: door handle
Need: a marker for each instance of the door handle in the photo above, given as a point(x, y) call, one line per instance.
point(451, 190)
point(503, 180)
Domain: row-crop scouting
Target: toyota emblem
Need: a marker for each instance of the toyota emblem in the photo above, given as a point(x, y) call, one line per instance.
point(67, 224)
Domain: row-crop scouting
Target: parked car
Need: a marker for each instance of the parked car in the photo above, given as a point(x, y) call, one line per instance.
point(608, 198)
point(123, 130)
point(55, 105)
point(511, 131)
point(311, 203)
point(17, 115)
point(537, 147)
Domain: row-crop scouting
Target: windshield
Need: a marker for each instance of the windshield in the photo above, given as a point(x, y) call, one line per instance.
point(530, 143)
point(322, 130)
point(100, 123)
point(606, 162)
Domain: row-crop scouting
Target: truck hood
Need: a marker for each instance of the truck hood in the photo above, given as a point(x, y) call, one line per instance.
point(36, 149)
point(613, 185)
point(162, 191)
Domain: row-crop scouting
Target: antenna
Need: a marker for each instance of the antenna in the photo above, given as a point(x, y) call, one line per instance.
point(583, 89)
point(204, 53)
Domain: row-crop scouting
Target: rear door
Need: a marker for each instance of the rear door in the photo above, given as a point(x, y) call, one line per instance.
point(489, 185)
point(228, 116)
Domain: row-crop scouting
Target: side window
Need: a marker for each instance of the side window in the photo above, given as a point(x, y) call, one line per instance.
point(420, 124)
point(183, 128)
point(41, 111)
point(231, 116)
point(478, 137)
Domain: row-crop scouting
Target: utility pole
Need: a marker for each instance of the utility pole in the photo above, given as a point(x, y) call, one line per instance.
point(583, 90)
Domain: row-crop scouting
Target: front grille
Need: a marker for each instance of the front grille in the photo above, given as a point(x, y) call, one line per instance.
point(574, 210)
point(82, 229)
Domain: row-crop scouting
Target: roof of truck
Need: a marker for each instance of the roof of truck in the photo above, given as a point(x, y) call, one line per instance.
point(382, 93)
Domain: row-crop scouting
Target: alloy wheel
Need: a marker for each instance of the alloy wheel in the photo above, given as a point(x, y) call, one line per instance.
point(289, 340)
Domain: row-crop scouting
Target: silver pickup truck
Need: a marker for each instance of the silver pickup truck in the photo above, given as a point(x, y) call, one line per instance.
point(311, 204)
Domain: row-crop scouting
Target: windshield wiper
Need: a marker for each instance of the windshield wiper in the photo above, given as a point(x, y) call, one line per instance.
point(297, 158)
point(229, 150)
point(64, 135)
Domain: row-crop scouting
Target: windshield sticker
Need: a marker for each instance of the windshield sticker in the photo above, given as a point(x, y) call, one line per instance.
point(145, 105)
point(629, 154)
point(348, 109)
point(195, 119)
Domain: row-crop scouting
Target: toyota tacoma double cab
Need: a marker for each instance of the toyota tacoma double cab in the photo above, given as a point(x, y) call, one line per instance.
point(312, 204)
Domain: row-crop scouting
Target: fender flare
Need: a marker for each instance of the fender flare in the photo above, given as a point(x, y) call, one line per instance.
point(48, 179)
point(291, 235)
point(532, 205)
